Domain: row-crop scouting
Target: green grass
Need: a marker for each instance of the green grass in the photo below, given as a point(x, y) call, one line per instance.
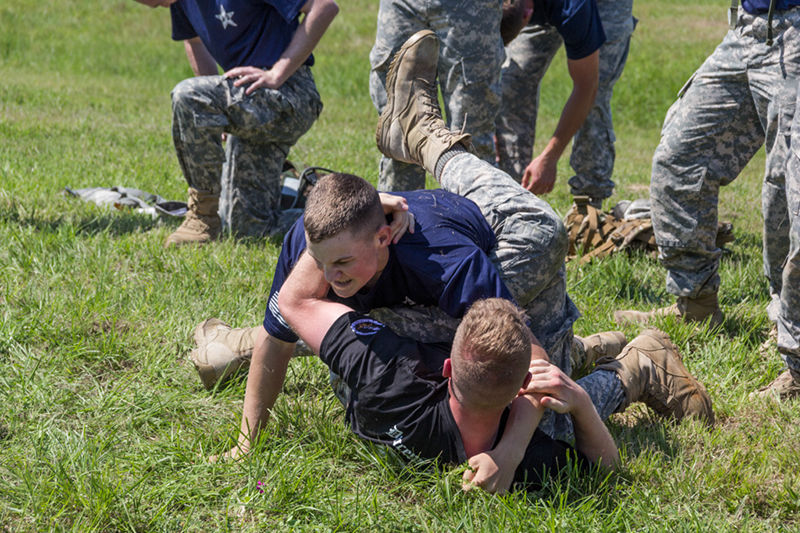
point(103, 422)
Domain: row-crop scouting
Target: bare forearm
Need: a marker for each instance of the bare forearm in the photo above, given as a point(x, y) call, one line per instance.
point(523, 419)
point(318, 16)
point(585, 79)
point(264, 383)
point(200, 58)
point(592, 437)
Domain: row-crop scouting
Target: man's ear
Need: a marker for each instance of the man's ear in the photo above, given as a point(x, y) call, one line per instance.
point(447, 369)
point(384, 236)
point(527, 380)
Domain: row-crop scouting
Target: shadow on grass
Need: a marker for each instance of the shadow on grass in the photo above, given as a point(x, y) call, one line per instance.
point(90, 223)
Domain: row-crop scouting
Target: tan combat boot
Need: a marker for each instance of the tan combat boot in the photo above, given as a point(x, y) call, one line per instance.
point(221, 350)
point(651, 371)
point(411, 128)
point(603, 344)
point(688, 309)
point(785, 387)
point(202, 222)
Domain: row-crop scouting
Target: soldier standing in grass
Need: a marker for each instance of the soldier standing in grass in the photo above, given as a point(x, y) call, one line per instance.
point(470, 57)
point(265, 100)
point(596, 36)
point(742, 97)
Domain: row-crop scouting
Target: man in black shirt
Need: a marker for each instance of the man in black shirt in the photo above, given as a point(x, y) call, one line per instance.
point(429, 401)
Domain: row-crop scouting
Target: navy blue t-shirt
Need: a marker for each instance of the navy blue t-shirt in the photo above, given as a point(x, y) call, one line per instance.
point(577, 21)
point(444, 263)
point(239, 33)
point(762, 6)
point(399, 398)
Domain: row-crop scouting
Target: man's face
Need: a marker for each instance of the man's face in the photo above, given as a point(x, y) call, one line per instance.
point(157, 3)
point(351, 261)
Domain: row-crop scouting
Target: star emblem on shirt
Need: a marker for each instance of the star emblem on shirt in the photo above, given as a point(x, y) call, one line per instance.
point(225, 17)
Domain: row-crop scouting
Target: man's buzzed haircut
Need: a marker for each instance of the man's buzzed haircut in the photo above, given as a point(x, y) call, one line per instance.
point(491, 354)
point(342, 202)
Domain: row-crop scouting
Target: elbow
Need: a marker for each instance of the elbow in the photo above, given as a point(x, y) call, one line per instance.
point(287, 305)
point(329, 9)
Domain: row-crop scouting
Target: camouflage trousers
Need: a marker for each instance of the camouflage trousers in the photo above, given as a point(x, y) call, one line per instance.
point(527, 59)
point(788, 319)
point(261, 129)
point(470, 56)
point(530, 251)
point(742, 97)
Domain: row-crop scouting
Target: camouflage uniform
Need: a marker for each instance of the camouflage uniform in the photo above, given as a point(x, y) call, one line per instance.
point(262, 127)
point(530, 251)
point(788, 319)
point(742, 97)
point(528, 58)
point(470, 56)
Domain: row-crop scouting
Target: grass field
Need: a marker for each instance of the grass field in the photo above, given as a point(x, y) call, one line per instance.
point(104, 424)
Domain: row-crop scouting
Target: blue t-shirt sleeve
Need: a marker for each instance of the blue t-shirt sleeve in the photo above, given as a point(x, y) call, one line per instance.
point(475, 277)
point(293, 245)
point(581, 28)
point(182, 29)
point(286, 9)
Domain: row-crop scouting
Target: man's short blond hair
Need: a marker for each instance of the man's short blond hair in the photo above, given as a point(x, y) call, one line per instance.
point(491, 354)
point(342, 202)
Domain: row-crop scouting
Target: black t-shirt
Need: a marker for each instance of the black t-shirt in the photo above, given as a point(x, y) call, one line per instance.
point(399, 397)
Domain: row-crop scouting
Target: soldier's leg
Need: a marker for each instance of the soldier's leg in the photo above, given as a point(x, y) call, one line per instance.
point(198, 122)
point(773, 80)
point(263, 126)
point(527, 59)
point(789, 317)
point(530, 251)
point(593, 152)
point(397, 21)
point(709, 135)
point(470, 57)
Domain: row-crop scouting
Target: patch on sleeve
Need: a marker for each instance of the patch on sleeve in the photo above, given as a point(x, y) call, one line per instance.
point(366, 326)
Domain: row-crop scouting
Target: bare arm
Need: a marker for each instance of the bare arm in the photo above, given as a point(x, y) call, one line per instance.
point(561, 394)
point(494, 470)
point(264, 383)
point(302, 305)
point(200, 58)
point(540, 174)
point(318, 16)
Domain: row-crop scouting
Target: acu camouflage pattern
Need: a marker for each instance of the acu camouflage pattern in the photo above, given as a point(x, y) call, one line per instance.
point(261, 129)
point(742, 97)
point(789, 316)
point(470, 56)
point(528, 57)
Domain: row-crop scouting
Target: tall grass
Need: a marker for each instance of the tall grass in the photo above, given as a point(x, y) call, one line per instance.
point(104, 425)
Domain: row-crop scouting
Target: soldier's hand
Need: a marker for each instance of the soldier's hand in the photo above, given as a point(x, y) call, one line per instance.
point(540, 175)
point(254, 78)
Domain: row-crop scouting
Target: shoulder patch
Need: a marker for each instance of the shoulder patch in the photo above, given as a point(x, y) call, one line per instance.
point(366, 326)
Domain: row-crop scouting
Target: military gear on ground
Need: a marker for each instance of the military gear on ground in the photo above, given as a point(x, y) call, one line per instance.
point(595, 234)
